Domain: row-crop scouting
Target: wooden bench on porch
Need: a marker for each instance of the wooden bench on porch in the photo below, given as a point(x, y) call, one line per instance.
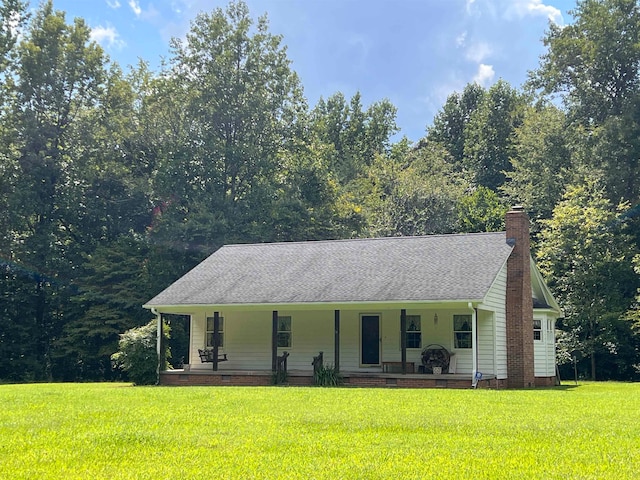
point(396, 367)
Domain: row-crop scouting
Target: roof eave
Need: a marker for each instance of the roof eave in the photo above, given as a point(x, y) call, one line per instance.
point(353, 305)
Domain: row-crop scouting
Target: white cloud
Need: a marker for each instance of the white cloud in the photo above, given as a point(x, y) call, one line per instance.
point(523, 8)
point(113, 4)
point(107, 36)
point(135, 6)
point(478, 52)
point(484, 75)
point(175, 6)
point(469, 5)
point(461, 39)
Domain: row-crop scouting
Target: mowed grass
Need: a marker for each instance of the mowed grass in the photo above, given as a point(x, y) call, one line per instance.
point(96, 431)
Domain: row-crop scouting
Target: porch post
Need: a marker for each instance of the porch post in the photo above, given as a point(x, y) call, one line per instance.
point(336, 348)
point(403, 339)
point(216, 339)
point(474, 341)
point(159, 344)
point(274, 341)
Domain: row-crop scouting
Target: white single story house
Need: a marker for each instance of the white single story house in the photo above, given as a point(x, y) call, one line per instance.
point(436, 310)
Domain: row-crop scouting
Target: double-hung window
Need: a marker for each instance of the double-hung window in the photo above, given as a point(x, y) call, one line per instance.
point(414, 332)
point(462, 331)
point(209, 334)
point(537, 329)
point(284, 332)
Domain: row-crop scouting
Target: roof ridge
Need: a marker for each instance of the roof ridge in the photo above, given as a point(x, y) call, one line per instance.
point(345, 240)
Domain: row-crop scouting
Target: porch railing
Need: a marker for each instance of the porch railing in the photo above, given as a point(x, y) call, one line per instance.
point(281, 369)
point(318, 362)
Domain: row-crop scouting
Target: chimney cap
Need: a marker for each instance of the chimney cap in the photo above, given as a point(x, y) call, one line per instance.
point(517, 208)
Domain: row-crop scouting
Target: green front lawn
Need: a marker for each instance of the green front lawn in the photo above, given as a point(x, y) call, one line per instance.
point(99, 431)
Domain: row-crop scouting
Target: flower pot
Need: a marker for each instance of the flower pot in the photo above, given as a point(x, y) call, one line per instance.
point(437, 370)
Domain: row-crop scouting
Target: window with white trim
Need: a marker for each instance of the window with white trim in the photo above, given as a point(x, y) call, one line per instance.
point(462, 331)
point(537, 329)
point(209, 334)
point(284, 332)
point(414, 332)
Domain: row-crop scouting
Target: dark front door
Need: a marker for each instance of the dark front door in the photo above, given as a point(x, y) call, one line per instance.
point(370, 340)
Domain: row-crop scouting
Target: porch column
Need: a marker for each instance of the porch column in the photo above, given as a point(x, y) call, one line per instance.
point(336, 342)
point(474, 341)
point(159, 344)
point(216, 339)
point(274, 341)
point(403, 339)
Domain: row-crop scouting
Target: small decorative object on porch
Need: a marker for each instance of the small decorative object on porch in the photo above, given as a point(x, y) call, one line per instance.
point(435, 357)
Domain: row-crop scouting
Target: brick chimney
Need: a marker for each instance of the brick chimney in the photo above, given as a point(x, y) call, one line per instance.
point(519, 307)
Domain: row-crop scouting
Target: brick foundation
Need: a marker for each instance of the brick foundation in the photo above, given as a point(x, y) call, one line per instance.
point(213, 379)
point(546, 381)
point(177, 378)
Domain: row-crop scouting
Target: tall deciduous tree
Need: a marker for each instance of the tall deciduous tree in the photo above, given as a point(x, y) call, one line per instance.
point(490, 135)
point(355, 135)
point(240, 98)
point(449, 127)
point(415, 192)
point(594, 62)
point(586, 257)
point(541, 164)
point(594, 65)
point(12, 16)
point(481, 211)
point(58, 74)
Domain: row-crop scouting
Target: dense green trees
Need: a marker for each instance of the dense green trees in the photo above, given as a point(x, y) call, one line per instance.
point(113, 183)
point(586, 254)
point(593, 65)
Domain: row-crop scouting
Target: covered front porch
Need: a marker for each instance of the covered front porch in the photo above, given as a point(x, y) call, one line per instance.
point(379, 345)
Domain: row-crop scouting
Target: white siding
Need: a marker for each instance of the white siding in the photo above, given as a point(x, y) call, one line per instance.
point(486, 344)
point(544, 349)
point(349, 340)
point(247, 340)
point(495, 302)
point(312, 332)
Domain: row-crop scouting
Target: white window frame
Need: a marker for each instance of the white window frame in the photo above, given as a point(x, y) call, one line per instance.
point(417, 332)
point(208, 334)
point(469, 320)
point(282, 332)
point(537, 329)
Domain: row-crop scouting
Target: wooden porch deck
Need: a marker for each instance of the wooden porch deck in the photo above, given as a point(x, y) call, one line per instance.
point(194, 377)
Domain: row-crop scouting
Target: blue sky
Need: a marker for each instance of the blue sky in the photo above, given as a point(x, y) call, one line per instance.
point(412, 52)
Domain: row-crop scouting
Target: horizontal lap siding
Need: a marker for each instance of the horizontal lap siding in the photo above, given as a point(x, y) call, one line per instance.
point(349, 340)
point(495, 301)
point(247, 340)
point(312, 332)
point(544, 350)
point(485, 342)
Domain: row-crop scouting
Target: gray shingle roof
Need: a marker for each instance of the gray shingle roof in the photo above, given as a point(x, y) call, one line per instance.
point(429, 268)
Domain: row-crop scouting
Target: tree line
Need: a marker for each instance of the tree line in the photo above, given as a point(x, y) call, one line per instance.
point(114, 183)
